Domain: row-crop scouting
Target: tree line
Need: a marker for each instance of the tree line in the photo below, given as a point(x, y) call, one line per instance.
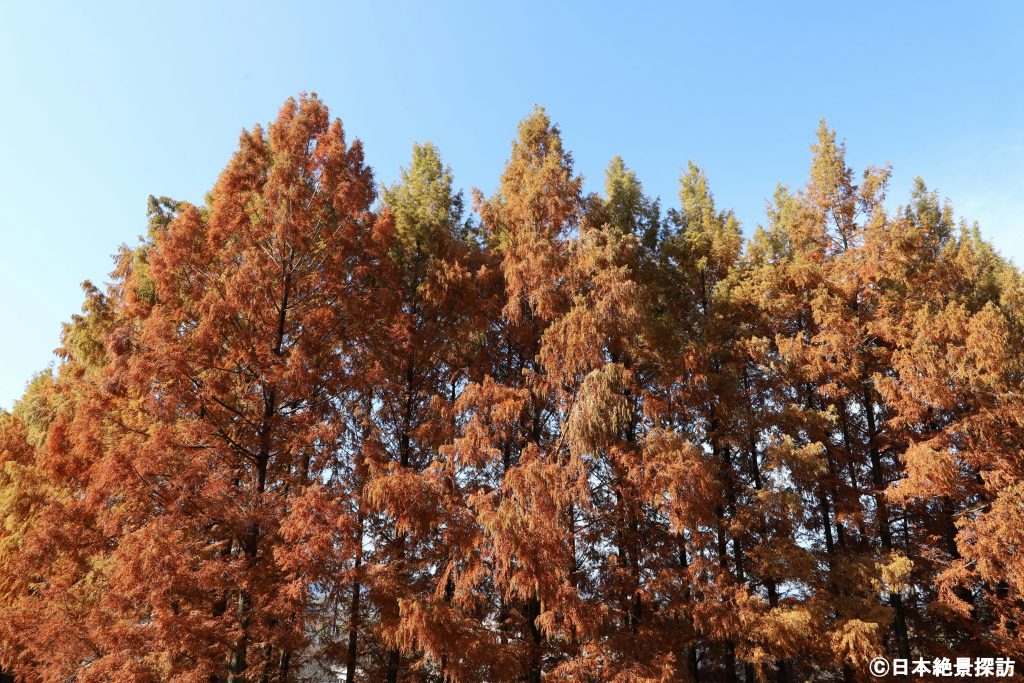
point(316, 429)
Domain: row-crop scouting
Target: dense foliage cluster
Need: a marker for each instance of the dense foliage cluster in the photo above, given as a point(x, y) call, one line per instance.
point(320, 430)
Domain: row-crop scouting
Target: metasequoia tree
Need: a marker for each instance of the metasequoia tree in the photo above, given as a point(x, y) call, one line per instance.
point(599, 355)
point(310, 433)
point(956, 364)
point(425, 352)
point(54, 615)
point(244, 362)
point(215, 414)
point(528, 519)
point(827, 435)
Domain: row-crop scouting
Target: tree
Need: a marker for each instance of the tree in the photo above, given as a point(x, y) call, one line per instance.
point(302, 436)
point(425, 353)
point(527, 519)
point(215, 415)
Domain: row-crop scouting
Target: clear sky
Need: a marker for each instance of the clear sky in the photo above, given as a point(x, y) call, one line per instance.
point(106, 103)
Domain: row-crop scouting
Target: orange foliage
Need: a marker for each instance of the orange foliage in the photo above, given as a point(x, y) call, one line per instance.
point(305, 434)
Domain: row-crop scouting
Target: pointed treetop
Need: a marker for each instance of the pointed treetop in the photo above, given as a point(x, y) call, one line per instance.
point(830, 178)
point(428, 211)
point(628, 209)
point(712, 239)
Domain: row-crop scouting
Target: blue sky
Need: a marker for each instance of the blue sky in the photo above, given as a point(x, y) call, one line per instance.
point(104, 104)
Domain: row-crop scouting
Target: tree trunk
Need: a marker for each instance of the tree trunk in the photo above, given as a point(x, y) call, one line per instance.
point(354, 615)
point(882, 509)
point(531, 611)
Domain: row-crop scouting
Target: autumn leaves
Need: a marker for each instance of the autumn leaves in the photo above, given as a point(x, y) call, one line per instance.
point(310, 432)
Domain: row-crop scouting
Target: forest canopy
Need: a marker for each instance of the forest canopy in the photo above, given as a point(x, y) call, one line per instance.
point(319, 429)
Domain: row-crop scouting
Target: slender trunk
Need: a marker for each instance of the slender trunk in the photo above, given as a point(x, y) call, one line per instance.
point(882, 509)
point(770, 586)
point(404, 459)
point(781, 673)
point(532, 608)
point(630, 551)
point(534, 667)
point(250, 543)
point(830, 541)
point(284, 666)
point(237, 662)
point(449, 594)
point(354, 614)
point(692, 663)
point(393, 661)
point(722, 455)
point(268, 651)
point(844, 423)
point(737, 546)
point(830, 549)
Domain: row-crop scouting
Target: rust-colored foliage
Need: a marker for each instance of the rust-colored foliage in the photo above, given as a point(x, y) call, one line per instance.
point(308, 435)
